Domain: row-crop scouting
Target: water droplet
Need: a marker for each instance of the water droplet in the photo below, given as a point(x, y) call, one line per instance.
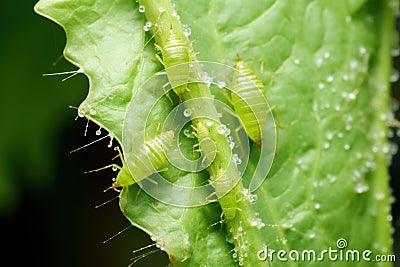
point(253, 198)
point(186, 30)
point(142, 9)
point(348, 127)
point(379, 195)
point(389, 218)
point(145, 28)
point(329, 135)
point(375, 149)
point(232, 145)
point(92, 112)
point(81, 113)
point(236, 159)
point(331, 178)
point(175, 14)
point(311, 235)
point(187, 112)
point(333, 89)
point(394, 76)
point(221, 84)
point(329, 79)
point(362, 50)
point(161, 9)
point(361, 188)
point(327, 55)
point(148, 24)
point(353, 64)
point(352, 96)
point(395, 52)
point(296, 61)
point(340, 135)
point(221, 129)
point(209, 123)
point(346, 147)
point(317, 206)
point(326, 145)
point(188, 133)
point(386, 149)
point(321, 86)
point(240, 229)
point(114, 168)
point(348, 19)
point(318, 62)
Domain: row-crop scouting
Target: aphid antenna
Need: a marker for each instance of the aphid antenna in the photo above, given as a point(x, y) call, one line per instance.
point(117, 234)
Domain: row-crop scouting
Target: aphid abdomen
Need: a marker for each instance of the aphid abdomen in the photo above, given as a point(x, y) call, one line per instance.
point(176, 54)
point(248, 102)
point(228, 202)
point(146, 160)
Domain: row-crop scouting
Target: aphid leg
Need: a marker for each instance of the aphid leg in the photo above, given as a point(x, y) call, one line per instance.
point(270, 83)
point(166, 93)
point(220, 222)
point(86, 127)
point(394, 123)
point(237, 138)
point(105, 167)
point(157, 57)
point(91, 143)
point(151, 38)
point(137, 195)
point(73, 73)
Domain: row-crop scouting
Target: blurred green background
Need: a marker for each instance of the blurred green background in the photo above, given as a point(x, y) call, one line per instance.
point(46, 201)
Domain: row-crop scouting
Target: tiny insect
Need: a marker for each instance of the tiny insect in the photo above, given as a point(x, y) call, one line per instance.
point(248, 101)
point(224, 183)
point(175, 55)
point(151, 153)
point(206, 146)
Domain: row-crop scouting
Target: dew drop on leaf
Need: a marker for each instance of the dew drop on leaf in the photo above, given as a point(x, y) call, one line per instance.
point(186, 30)
point(361, 188)
point(394, 76)
point(187, 112)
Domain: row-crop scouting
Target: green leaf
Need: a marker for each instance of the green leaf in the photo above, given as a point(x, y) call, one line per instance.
point(328, 65)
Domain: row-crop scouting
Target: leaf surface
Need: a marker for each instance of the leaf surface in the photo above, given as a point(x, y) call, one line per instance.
point(327, 66)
